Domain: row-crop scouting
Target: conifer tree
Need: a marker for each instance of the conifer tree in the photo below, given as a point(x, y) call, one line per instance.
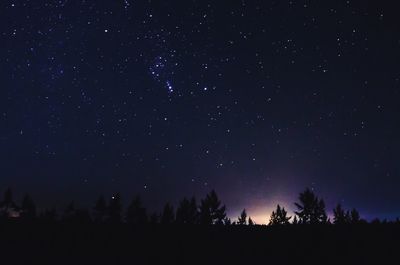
point(279, 216)
point(136, 213)
point(115, 209)
point(242, 219)
point(167, 216)
point(28, 209)
point(311, 209)
point(211, 211)
point(100, 210)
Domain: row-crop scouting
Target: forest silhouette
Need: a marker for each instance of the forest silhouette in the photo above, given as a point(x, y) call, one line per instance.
point(196, 232)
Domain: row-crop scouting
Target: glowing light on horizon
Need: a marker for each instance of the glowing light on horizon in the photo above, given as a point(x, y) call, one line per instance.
point(261, 214)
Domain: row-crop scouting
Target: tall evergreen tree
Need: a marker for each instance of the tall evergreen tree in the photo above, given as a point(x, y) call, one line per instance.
point(354, 217)
point(279, 216)
point(28, 209)
point(242, 219)
point(182, 210)
point(320, 213)
point(82, 216)
point(227, 221)
point(311, 209)
point(295, 221)
point(340, 217)
point(187, 212)
point(168, 216)
point(251, 222)
point(69, 212)
point(7, 205)
point(194, 214)
point(211, 211)
point(49, 215)
point(8, 197)
point(136, 213)
point(115, 209)
point(154, 218)
point(100, 210)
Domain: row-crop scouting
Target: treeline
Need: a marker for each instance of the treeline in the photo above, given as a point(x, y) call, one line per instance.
point(311, 210)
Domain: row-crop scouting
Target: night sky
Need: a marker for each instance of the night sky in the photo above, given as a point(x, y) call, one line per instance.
point(255, 99)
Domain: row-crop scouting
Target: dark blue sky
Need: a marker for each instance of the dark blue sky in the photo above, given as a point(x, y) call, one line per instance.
point(256, 99)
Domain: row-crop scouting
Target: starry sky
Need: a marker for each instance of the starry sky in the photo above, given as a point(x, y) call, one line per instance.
point(255, 99)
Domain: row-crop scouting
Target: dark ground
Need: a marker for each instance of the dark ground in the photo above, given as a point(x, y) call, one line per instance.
point(123, 244)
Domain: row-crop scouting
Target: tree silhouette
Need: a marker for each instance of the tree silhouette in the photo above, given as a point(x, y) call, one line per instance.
point(227, 221)
point(211, 211)
point(376, 221)
point(167, 216)
point(242, 219)
point(48, 216)
point(354, 217)
point(69, 212)
point(154, 218)
point(82, 216)
point(340, 217)
point(76, 216)
point(28, 209)
point(193, 212)
point(115, 209)
point(311, 209)
point(187, 212)
point(136, 213)
point(251, 222)
point(345, 217)
point(279, 216)
point(100, 210)
point(7, 206)
point(295, 220)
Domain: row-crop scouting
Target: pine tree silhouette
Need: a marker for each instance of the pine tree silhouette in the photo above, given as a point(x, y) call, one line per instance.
point(167, 216)
point(82, 216)
point(279, 216)
point(8, 197)
point(49, 216)
point(100, 210)
point(242, 219)
point(227, 221)
point(69, 212)
point(28, 209)
point(187, 212)
point(211, 211)
point(251, 222)
point(376, 221)
point(340, 217)
point(136, 213)
point(295, 220)
point(193, 212)
point(115, 209)
point(354, 217)
point(154, 218)
point(7, 207)
point(311, 209)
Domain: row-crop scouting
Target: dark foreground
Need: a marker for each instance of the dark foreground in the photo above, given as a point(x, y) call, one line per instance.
point(123, 244)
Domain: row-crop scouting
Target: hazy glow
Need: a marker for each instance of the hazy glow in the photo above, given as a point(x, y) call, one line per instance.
point(261, 214)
